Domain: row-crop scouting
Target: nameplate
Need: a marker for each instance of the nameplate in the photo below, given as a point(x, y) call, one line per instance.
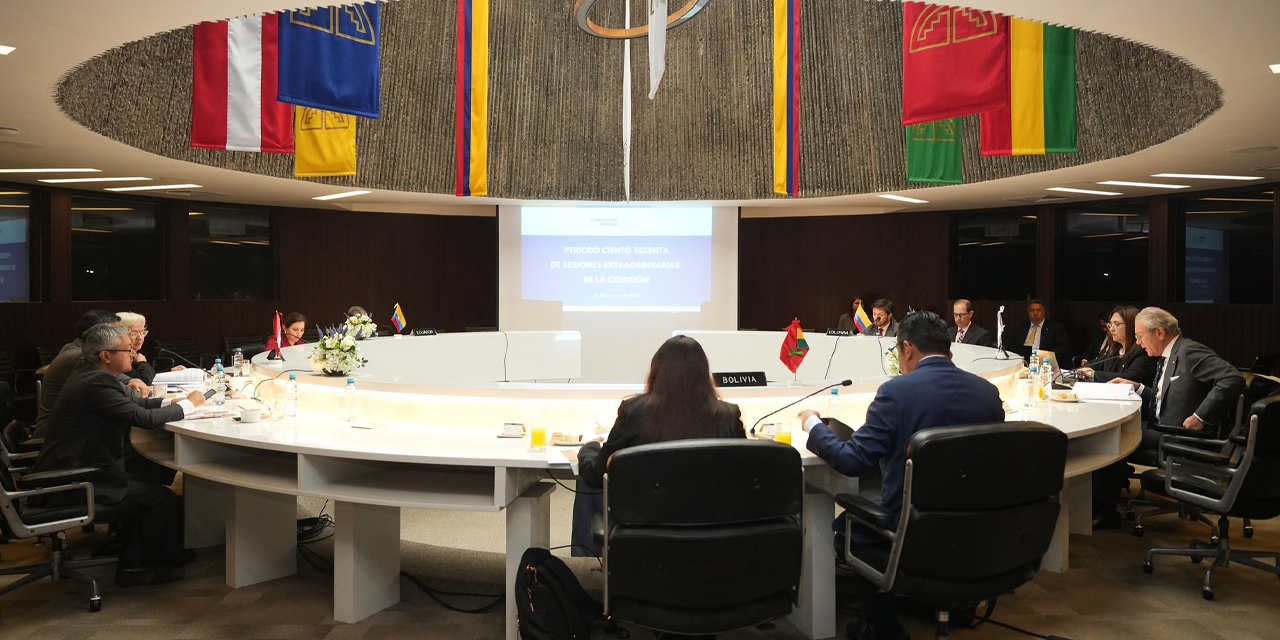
point(740, 379)
point(424, 332)
point(840, 332)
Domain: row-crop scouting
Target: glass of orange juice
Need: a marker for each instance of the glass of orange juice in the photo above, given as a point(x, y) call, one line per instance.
point(538, 438)
point(782, 433)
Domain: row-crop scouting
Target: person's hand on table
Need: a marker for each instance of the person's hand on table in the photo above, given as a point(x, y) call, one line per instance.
point(141, 387)
point(1085, 374)
point(804, 418)
point(1124, 381)
point(178, 368)
point(196, 398)
point(596, 439)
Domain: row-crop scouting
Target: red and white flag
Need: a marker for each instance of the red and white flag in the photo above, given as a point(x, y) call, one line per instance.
point(233, 93)
point(278, 330)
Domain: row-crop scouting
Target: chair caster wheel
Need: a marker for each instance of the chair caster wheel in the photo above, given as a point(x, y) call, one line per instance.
point(1196, 560)
point(1130, 515)
point(1137, 530)
point(1213, 541)
point(1248, 532)
point(1207, 593)
point(1147, 567)
point(95, 604)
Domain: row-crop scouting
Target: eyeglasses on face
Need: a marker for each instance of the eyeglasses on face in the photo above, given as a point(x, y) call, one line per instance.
point(120, 350)
point(961, 315)
point(138, 334)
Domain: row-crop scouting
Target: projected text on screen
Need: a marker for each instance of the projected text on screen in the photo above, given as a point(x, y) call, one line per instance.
point(617, 258)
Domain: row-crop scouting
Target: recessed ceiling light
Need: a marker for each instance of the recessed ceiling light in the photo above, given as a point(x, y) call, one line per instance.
point(1237, 199)
point(195, 213)
point(1275, 68)
point(1152, 185)
point(1104, 235)
point(1192, 213)
point(155, 187)
point(50, 170)
point(903, 198)
point(70, 180)
point(1091, 192)
point(23, 193)
point(1031, 217)
point(6, 50)
point(345, 194)
point(1203, 176)
point(13, 206)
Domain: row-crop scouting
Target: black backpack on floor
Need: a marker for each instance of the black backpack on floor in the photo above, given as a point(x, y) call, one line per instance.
point(550, 602)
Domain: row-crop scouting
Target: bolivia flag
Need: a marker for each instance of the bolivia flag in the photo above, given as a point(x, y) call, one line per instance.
point(794, 347)
point(1041, 117)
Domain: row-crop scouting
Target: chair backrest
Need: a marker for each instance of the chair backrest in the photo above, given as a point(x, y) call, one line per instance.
point(703, 536)
point(980, 503)
point(1265, 364)
point(7, 372)
point(185, 348)
point(1259, 495)
point(230, 343)
point(47, 354)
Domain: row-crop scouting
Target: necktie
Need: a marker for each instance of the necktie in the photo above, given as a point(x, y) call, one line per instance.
point(1032, 336)
point(960, 335)
point(1159, 382)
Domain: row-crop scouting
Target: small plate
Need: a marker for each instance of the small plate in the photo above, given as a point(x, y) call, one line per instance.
point(579, 443)
point(1056, 399)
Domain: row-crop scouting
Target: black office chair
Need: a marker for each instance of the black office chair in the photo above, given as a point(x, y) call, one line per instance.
point(23, 383)
point(702, 536)
point(188, 349)
point(249, 346)
point(1245, 483)
point(20, 521)
point(47, 354)
point(975, 520)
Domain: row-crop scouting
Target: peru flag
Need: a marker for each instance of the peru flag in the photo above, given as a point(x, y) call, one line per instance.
point(233, 93)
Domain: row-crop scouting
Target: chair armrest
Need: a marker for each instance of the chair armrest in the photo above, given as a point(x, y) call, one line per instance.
point(865, 511)
point(30, 445)
point(597, 527)
point(56, 477)
point(23, 460)
point(1193, 452)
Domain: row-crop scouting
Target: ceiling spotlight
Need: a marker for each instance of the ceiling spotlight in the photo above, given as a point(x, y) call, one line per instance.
point(903, 198)
point(50, 170)
point(1203, 176)
point(345, 194)
point(6, 50)
point(1275, 68)
point(70, 180)
point(1150, 185)
point(1090, 192)
point(156, 187)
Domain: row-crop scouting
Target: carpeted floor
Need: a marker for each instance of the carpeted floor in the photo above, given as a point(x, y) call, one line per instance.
point(1104, 596)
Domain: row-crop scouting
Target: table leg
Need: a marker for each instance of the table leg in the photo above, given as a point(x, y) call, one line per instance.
point(366, 560)
point(262, 537)
point(815, 612)
point(207, 508)
point(1075, 515)
point(528, 525)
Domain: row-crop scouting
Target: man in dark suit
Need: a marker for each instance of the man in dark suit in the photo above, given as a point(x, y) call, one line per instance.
point(89, 427)
point(1037, 334)
point(69, 357)
point(1193, 394)
point(965, 331)
point(933, 392)
point(882, 322)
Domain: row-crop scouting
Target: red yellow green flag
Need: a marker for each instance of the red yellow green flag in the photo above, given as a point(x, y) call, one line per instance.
point(1041, 117)
point(794, 347)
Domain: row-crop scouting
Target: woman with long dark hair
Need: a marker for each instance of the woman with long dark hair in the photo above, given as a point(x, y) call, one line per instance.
point(679, 403)
point(1132, 362)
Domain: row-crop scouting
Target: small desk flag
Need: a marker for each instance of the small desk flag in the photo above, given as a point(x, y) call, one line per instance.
point(277, 330)
point(860, 318)
point(397, 318)
point(794, 347)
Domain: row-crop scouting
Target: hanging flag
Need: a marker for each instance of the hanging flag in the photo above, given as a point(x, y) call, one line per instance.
point(329, 59)
point(657, 43)
point(934, 153)
point(955, 61)
point(326, 143)
point(277, 329)
point(794, 347)
point(397, 318)
point(1041, 117)
point(786, 97)
point(861, 320)
point(233, 87)
point(472, 135)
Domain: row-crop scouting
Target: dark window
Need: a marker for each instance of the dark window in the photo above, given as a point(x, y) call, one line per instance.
point(231, 254)
point(15, 254)
point(993, 255)
point(1103, 252)
point(1230, 247)
point(116, 252)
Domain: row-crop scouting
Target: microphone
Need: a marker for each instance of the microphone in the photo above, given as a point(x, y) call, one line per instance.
point(1092, 363)
point(842, 383)
point(179, 356)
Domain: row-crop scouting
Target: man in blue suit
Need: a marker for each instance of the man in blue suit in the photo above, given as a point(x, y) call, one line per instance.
point(933, 392)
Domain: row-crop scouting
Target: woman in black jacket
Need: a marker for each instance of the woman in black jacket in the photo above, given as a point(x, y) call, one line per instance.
point(1132, 363)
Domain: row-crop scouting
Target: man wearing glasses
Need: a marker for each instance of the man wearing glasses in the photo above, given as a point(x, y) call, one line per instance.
point(932, 392)
point(89, 427)
point(965, 331)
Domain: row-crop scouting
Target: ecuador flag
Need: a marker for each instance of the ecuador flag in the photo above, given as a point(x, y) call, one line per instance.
point(794, 347)
point(1041, 117)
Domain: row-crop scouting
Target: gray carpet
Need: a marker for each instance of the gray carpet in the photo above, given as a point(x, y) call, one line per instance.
point(1104, 596)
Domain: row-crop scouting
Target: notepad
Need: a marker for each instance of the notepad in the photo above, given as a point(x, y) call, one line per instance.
point(180, 378)
point(1103, 391)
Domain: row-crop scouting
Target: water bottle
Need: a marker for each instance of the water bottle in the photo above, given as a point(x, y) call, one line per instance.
point(237, 363)
point(219, 387)
point(833, 408)
point(348, 409)
point(291, 396)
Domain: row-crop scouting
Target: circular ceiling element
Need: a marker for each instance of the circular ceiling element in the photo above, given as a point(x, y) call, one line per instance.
point(555, 105)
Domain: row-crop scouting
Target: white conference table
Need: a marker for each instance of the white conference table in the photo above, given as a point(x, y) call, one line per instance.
point(434, 446)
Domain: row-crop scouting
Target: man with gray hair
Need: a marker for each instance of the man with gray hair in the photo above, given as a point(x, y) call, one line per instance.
point(89, 427)
point(1193, 394)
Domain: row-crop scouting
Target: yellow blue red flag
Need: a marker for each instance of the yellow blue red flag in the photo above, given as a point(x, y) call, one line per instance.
point(397, 318)
point(786, 97)
point(860, 318)
point(472, 135)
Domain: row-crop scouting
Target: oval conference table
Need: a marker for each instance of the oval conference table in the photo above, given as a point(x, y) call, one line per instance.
point(430, 408)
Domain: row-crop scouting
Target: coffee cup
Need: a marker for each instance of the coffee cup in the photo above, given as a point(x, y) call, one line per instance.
point(250, 415)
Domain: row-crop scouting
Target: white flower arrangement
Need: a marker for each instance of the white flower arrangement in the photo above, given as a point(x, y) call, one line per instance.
point(361, 327)
point(336, 352)
point(891, 361)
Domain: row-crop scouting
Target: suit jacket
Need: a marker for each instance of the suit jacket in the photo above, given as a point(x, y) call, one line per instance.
point(55, 377)
point(974, 335)
point(630, 430)
point(141, 371)
point(1053, 337)
point(1136, 366)
point(890, 331)
point(89, 427)
point(936, 394)
point(1196, 380)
